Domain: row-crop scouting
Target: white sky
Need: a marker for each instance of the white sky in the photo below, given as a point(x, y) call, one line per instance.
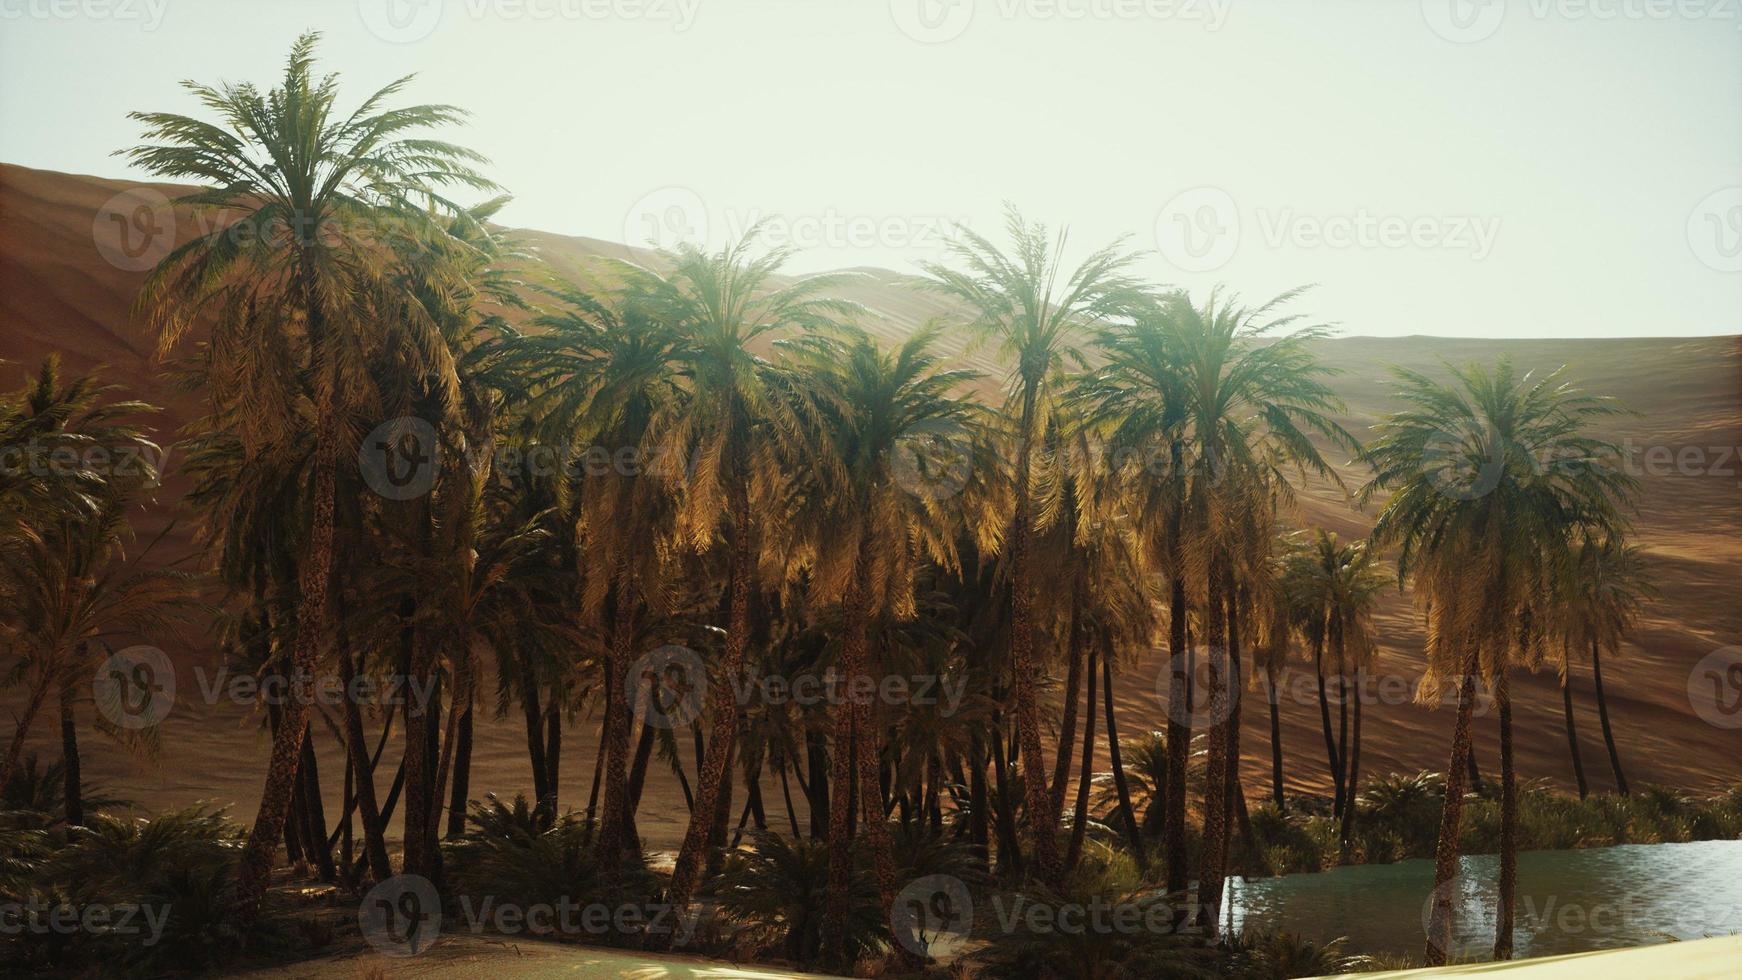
point(1450, 167)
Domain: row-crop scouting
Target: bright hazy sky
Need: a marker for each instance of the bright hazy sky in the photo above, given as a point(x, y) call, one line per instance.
point(1452, 167)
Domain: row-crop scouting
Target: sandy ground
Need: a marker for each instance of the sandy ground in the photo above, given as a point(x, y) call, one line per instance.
point(58, 293)
point(474, 958)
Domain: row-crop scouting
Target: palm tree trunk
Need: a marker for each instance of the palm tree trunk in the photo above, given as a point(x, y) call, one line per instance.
point(38, 695)
point(553, 748)
point(1508, 827)
point(1214, 855)
point(1275, 745)
point(1080, 819)
point(1603, 716)
point(313, 574)
point(979, 830)
point(1042, 822)
point(1475, 771)
point(686, 875)
point(1344, 790)
point(530, 711)
point(1009, 847)
point(786, 794)
point(1325, 722)
point(458, 802)
point(1439, 931)
point(817, 793)
point(1572, 727)
point(374, 827)
point(1236, 796)
point(309, 773)
point(617, 714)
point(72, 789)
point(1347, 831)
point(1120, 785)
point(1061, 772)
point(1179, 735)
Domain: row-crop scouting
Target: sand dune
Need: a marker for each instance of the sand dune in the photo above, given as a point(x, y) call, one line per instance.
point(58, 292)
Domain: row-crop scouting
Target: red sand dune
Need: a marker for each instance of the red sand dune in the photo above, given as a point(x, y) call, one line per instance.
point(59, 293)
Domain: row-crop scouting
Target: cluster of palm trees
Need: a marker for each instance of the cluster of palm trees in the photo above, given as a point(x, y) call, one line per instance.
point(785, 495)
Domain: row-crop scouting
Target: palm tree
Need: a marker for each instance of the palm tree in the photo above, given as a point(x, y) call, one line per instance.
point(1309, 573)
point(1357, 581)
point(878, 411)
point(1252, 393)
point(601, 381)
point(1038, 323)
point(292, 286)
point(724, 306)
point(1486, 475)
point(1599, 592)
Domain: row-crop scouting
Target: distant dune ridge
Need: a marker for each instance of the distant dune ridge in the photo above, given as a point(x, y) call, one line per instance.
point(58, 292)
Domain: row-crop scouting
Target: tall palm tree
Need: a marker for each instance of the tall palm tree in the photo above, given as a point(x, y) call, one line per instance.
point(1038, 322)
point(1253, 393)
point(1357, 580)
point(1485, 475)
point(725, 307)
point(292, 286)
point(601, 381)
point(1598, 594)
point(878, 412)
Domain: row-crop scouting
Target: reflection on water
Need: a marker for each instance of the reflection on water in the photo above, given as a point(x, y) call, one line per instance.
point(1568, 901)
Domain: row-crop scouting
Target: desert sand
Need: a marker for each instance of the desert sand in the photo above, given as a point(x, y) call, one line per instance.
point(59, 293)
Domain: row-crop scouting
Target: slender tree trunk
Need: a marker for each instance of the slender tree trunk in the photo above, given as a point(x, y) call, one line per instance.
point(690, 856)
point(553, 748)
point(817, 793)
point(1080, 818)
point(38, 695)
point(1347, 832)
point(1344, 791)
point(1042, 824)
point(598, 767)
point(1275, 745)
point(460, 799)
point(1061, 772)
point(255, 866)
point(374, 827)
point(786, 794)
point(979, 830)
point(309, 772)
point(530, 709)
point(617, 715)
point(1236, 797)
point(1332, 761)
point(72, 789)
point(1573, 731)
point(1603, 716)
point(1179, 733)
point(1440, 918)
point(1009, 847)
point(1475, 771)
point(1214, 854)
point(1508, 899)
point(1120, 785)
